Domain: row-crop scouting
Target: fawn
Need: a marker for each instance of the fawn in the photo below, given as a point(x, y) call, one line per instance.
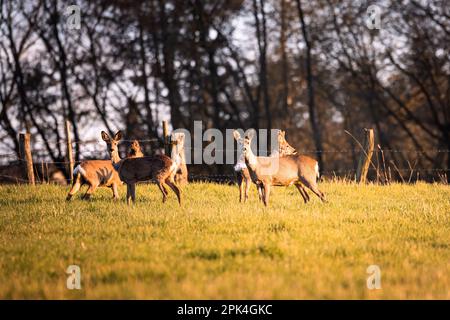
point(281, 171)
point(242, 173)
point(132, 170)
point(99, 173)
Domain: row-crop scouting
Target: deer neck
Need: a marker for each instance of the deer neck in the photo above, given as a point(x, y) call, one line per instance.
point(177, 155)
point(285, 149)
point(241, 158)
point(250, 160)
point(181, 155)
point(115, 158)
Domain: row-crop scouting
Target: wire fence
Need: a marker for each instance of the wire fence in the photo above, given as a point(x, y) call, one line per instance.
point(42, 161)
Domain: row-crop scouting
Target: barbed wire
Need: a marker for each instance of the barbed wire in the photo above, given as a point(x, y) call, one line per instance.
point(39, 163)
point(265, 151)
point(99, 142)
point(300, 151)
point(228, 178)
point(39, 158)
point(95, 141)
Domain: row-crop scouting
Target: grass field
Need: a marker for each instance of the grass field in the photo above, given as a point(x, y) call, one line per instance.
point(213, 247)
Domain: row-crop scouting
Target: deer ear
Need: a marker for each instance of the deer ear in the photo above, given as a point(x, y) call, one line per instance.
point(182, 136)
point(118, 136)
point(236, 135)
point(250, 134)
point(105, 136)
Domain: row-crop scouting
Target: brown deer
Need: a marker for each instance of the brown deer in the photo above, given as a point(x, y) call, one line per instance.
point(132, 170)
point(265, 172)
point(242, 173)
point(100, 173)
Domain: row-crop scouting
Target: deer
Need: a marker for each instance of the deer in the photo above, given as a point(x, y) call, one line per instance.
point(299, 170)
point(132, 170)
point(241, 170)
point(99, 173)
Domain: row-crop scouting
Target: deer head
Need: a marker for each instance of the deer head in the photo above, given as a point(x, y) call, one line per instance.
point(240, 165)
point(135, 146)
point(284, 148)
point(247, 142)
point(244, 143)
point(112, 145)
point(135, 149)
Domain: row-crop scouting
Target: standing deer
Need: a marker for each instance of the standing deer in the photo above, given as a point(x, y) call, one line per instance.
point(242, 173)
point(132, 170)
point(281, 171)
point(99, 173)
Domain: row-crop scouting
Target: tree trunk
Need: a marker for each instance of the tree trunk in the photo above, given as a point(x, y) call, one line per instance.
point(64, 85)
point(151, 128)
point(209, 48)
point(316, 131)
point(284, 61)
point(168, 47)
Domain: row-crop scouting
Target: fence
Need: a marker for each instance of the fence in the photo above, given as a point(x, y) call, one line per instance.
point(372, 162)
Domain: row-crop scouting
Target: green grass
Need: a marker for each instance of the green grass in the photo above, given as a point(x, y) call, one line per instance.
point(214, 247)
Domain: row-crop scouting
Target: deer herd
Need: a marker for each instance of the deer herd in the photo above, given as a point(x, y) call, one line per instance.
point(284, 167)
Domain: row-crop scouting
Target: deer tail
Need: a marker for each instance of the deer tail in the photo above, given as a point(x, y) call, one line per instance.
point(316, 167)
point(79, 170)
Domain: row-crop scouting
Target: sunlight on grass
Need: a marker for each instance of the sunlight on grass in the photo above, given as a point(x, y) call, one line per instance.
point(215, 247)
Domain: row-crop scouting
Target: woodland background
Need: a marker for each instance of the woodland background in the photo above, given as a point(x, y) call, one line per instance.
point(312, 68)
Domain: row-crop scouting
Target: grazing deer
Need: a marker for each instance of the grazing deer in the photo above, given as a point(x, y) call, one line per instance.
point(242, 173)
point(281, 171)
point(181, 177)
point(100, 173)
point(132, 170)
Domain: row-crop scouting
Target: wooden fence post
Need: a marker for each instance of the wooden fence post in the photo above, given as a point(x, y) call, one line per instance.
point(366, 156)
point(25, 154)
point(69, 150)
point(166, 135)
point(43, 172)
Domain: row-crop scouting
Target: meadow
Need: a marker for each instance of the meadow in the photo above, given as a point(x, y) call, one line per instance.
point(214, 247)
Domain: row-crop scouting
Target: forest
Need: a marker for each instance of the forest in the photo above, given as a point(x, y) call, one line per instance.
point(320, 70)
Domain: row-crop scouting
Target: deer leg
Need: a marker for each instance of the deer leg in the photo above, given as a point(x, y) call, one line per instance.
point(131, 193)
point(306, 193)
point(240, 182)
point(266, 194)
point(313, 187)
point(248, 183)
point(303, 192)
point(260, 189)
point(89, 192)
point(75, 187)
point(115, 191)
point(175, 189)
point(163, 190)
